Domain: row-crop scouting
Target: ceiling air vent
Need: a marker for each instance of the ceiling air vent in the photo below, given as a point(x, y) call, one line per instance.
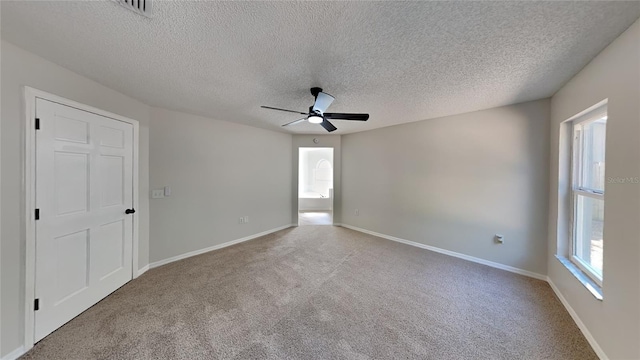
point(142, 7)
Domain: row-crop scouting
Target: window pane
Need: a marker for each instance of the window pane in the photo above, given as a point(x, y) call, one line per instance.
point(592, 154)
point(588, 231)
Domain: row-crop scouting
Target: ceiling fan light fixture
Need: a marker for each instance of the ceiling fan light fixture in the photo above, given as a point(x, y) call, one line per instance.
point(315, 119)
point(317, 114)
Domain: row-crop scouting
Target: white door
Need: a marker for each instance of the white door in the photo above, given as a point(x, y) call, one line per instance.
point(84, 187)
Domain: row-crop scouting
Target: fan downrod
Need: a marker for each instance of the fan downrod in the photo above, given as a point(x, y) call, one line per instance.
point(315, 91)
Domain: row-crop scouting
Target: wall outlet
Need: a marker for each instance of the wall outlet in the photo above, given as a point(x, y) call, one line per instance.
point(499, 239)
point(356, 212)
point(241, 221)
point(157, 193)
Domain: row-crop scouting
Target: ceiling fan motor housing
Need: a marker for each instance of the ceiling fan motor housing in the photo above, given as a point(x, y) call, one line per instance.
point(311, 111)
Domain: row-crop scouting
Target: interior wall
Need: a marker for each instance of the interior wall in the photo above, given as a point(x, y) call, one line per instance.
point(332, 141)
point(218, 171)
point(614, 74)
point(455, 182)
point(21, 68)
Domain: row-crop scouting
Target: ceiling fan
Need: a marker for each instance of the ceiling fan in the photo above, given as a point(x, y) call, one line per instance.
point(317, 114)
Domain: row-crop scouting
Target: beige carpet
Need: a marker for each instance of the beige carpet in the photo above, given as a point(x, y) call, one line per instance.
point(322, 292)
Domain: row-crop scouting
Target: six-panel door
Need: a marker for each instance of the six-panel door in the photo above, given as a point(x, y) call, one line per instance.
point(84, 184)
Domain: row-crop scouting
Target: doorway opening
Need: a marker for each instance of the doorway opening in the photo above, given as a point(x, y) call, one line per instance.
point(315, 186)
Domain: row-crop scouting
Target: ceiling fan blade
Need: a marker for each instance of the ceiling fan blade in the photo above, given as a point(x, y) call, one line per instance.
point(295, 122)
point(341, 116)
point(328, 126)
point(292, 111)
point(323, 100)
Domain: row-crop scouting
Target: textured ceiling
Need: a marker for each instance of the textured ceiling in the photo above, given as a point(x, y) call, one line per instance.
point(399, 61)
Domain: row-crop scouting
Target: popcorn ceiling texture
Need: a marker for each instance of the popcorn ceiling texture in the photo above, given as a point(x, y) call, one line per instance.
point(400, 62)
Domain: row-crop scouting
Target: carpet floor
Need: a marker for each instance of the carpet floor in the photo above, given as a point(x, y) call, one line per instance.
point(322, 292)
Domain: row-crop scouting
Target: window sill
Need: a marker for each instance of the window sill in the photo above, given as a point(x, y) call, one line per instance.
point(593, 288)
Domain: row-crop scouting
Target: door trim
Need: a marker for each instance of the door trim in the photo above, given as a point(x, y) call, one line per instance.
point(29, 191)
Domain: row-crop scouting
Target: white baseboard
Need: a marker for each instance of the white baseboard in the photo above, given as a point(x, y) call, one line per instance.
point(592, 341)
point(451, 253)
point(14, 354)
point(142, 270)
point(216, 247)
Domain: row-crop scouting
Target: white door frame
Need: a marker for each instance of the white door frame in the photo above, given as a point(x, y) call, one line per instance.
point(297, 180)
point(29, 191)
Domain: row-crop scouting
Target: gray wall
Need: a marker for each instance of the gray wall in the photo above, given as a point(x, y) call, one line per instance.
point(454, 182)
point(218, 171)
point(330, 141)
point(614, 74)
point(20, 68)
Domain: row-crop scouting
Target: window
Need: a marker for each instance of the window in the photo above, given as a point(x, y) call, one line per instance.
point(587, 188)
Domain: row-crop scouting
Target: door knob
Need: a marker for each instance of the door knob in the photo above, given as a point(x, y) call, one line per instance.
point(130, 211)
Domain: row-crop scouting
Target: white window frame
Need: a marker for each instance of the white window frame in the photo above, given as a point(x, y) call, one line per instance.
point(576, 191)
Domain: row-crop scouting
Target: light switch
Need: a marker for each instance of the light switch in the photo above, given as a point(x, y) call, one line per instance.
point(167, 191)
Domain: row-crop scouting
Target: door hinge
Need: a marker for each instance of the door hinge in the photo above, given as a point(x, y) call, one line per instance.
point(37, 214)
point(36, 304)
point(37, 123)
